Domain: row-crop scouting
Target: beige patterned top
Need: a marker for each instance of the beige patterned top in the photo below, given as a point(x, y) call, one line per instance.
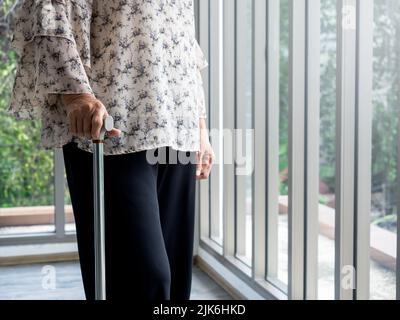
point(140, 58)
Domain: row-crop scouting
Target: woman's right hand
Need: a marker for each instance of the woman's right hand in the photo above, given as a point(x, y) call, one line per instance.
point(86, 115)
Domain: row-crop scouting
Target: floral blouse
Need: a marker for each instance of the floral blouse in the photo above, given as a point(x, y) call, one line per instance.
point(140, 58)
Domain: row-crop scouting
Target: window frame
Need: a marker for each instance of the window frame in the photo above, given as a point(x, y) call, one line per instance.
point(353, 146)
point(59, 234)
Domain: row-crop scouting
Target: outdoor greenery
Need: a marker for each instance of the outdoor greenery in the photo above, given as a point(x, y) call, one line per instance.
point(386, 129)
point(26, 171)
point(386, 104)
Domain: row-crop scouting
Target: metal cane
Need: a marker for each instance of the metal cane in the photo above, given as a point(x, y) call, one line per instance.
point(99, 230)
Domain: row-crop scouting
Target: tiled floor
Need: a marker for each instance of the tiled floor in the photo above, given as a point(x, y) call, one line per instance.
point(35, 282)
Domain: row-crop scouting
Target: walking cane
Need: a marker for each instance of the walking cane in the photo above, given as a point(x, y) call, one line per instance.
point(99, 230)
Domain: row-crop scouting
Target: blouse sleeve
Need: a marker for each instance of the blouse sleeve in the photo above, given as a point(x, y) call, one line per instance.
point(202, 63)
point(52, 40)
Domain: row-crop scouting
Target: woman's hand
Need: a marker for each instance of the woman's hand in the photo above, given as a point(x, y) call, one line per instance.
point(205, 156)
point(86, 115)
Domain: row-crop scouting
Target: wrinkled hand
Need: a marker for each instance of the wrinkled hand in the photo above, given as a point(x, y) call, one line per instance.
point(206, 156)
point(86, 115)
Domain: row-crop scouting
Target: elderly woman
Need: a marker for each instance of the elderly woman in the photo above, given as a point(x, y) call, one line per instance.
point(138, 61)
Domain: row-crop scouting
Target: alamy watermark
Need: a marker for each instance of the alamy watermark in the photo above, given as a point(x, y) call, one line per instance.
point(231, 147)
point(348, 277)
point(349, 17)
point(49, 277)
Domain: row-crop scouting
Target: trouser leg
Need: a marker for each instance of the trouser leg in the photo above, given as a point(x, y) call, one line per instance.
point(77, 167)
point(140, 264)
point(137, 265)
point(176, 197)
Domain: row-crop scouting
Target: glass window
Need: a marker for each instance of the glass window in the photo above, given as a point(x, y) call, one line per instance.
point(385, 153)
point(244, 121)
point(26, 171)
point(326, 212)
point(282, 275)
point(385, 136)
point(215, 119)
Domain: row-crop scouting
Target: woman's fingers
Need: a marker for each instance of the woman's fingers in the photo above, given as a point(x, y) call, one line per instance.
point(199, 163)
point(204, 165)
point(79, 126)
point(114, 132)
point(87, 126)
point(72, 121)
point(98, 114)
point(86, 116)
point(97, 123)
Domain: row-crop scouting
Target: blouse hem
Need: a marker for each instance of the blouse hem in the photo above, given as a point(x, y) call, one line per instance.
point(116, 151)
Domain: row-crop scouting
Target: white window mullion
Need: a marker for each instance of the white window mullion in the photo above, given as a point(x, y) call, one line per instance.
point(364, 144)
point(345, 155)
point(212, 118)
point(241, 124)
point(272, 139)
point(229, 125)
point(59, 191)
point(312, 150)
point(260, 135)
point(398, 215)
point(297, 44)
point(204, 186)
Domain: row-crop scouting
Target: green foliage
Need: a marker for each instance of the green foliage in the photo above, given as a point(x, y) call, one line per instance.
point(387, 222)
point(386, 108)
point(26, 171)
point(328, 94)
point(284, 96)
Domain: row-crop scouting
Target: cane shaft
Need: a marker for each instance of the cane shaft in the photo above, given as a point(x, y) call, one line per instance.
point(99, 221)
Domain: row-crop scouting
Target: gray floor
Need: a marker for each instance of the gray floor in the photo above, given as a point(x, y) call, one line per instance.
point(62, 281)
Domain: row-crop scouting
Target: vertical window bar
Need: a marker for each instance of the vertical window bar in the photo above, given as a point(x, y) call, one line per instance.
point(260, 136)
point(272, 139)
point(203, 34)
point(59, 188)
point(196, 6)
point(345, 156)
point(398, 213)
point(297, 42)
point(241, 108)
point(398, 181)
point(215, 118)
point(229, 126)
point(198, 186)
point(363, 145)
point(312, 147)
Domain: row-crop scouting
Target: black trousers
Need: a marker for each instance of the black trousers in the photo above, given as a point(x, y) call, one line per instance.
point(149, 217)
